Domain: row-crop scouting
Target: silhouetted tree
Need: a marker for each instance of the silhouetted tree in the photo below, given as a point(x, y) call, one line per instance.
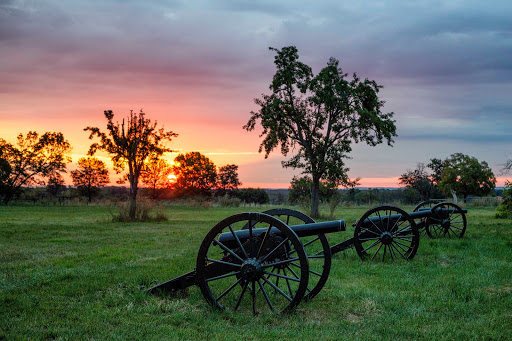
point(155, 175)
point(90, 175)
point(195, 174)
point(466, 176)
point(227, 179)
point(32, 159)
point(320, 117)
point(55, 184)
point(300, 190)
point(420, 181)
point(130, 144)
point(5, 171)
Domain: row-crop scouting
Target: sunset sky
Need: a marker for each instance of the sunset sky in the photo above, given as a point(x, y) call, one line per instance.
point(196, 66)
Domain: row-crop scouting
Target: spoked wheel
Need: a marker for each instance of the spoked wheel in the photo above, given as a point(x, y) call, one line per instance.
point(317, 249)
point(261, 268)
point(427, 204)
point(386, 232)
point(446, 220)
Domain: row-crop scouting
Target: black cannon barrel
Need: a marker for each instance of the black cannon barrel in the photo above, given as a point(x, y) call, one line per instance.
point(415, 215)
point(303, 230)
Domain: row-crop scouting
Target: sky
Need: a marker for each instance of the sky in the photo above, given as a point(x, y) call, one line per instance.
point(196, 66)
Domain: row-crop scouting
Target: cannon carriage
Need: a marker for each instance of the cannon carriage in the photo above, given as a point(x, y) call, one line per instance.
point(270, 261)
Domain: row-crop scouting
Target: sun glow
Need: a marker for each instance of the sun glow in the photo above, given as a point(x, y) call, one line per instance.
point(172, 178)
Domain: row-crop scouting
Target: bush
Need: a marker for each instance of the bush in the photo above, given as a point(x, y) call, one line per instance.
point(504, 211)
point(142, 213)
point(226, 201)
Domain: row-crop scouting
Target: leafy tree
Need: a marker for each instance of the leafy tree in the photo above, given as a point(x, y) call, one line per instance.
point(227, 179)
point(505, 208)
point(32, 159)
point(300, 190)
point(466, 176)
point(421, 181)
point(437, 166)
point(155, 175)
point(319, 117)
point(252, 195)
point(5, 171)
point(195, 174)
point(55, 184)
point(90, 175)
point(130, 144)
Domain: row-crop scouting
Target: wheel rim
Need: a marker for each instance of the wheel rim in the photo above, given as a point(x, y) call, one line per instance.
point(386, 232)
point(446, 221)
point(317, 249)
point(264, 271)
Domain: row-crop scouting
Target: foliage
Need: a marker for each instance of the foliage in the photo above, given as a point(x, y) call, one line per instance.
point(227, 179)
point(319, 117)
point(91, 174)
point(251, 195)
point(32, 159)
point(155, 175)
point(505, 209)
point(195, 174)
point(142, 213)
point(300, 190)
point(420, 181)
point(5, 171)
point(55, 184)
point(131, 145)
point(466, 176)
point(227, 201)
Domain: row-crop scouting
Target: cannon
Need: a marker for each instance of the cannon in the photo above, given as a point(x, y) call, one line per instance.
point(274, 259)
point(388, 231)
point(258, 262)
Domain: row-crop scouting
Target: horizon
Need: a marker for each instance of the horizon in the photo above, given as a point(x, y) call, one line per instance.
point(446, 71)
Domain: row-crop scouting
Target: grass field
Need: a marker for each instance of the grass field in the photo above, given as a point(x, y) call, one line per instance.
point(71, 273)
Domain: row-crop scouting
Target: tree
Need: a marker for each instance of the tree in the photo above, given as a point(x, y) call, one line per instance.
point(300, 190)
point(195, 174)
point(155, 175)
point(130, 145)
point(505, 208)
point(466, 176)
point(319, 117)
point(227, 179)
point(90, 175)
point(32, 159)
point(55, 184)
point(5, 171)
point(420, 181)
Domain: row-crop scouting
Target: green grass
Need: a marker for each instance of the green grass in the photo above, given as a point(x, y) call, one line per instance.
point(71, 273)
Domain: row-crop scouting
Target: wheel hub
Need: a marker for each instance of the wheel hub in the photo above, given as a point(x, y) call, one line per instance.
point(252, 270)
point(446, 225)
point(386, 238)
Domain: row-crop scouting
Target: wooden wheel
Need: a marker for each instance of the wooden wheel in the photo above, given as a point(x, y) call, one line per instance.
point(386, 232)
point(317, 249)
point(262, 269)
point(446, 220)
point(426, 204)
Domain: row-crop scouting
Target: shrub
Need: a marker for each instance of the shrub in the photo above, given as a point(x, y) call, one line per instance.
point(142, 213)
point(505, 209)
point(226, 201)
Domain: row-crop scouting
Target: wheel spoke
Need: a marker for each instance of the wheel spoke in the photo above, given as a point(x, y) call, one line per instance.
point(253, 295)
point(223, 262)
point(265, 295)
point(241, 295)
point(375, 254)
point(267, 233)
point(225, 248)
point(278, 275)
point(274, 250)
point(286, 261)
point(222, 276)
point(228, 290)
point(369, 247)
point(277, 289)
point(288, 282)
point(238, 242)
point(397, 250)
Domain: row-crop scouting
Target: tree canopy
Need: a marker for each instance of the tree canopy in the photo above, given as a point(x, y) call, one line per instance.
point(227, 178)
point(421, 181)
point(195, 174)
point(155, 175)
point(319, 117)
point(91, 174)
point(33, 158)
point(466, 176)
point(131, 144)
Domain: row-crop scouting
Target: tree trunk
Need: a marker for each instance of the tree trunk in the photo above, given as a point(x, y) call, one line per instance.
point(315, 198)
point(133, 197)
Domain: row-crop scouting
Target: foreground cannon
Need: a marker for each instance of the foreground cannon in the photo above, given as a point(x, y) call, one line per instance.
point(257, 261)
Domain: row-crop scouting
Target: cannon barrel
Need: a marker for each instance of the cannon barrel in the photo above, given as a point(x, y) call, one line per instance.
point(414, 215)
point(303, 230)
